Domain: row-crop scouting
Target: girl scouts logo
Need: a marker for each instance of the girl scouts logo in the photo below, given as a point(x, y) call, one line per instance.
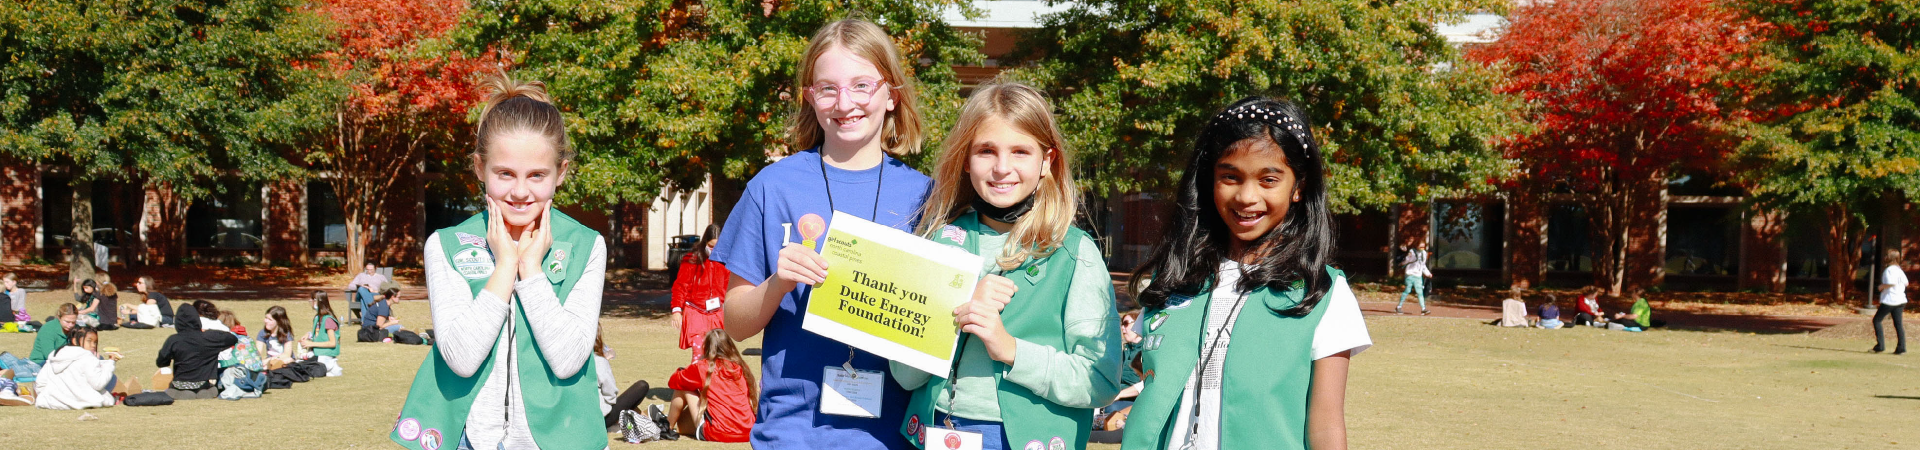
point(409, 429)
point(958, 280)
point(811, 227)
point(473, 263)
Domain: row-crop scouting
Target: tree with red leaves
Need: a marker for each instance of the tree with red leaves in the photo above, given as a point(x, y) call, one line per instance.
point(1623, 93)
point(409, 93)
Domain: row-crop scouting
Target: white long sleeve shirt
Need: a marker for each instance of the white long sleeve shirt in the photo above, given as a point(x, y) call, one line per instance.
point(470, 327)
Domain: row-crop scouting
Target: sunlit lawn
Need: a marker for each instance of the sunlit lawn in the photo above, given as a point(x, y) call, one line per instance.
point(1428, 383)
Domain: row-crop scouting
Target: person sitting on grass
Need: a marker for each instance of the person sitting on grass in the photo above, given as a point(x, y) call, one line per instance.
point(193, 355)
point(52, 337)
point(276, 337)
point(1550, 316)
point(145, 286)
point(145, 316)
point(378, 314)
point(232, 322)
point(1637, 318)
point(1590, 313)
point(109, 306)
point(77, 376)
point(14, 303)
point(88, 300)
point(713, 399)
point(323, 343)
point(210, 316)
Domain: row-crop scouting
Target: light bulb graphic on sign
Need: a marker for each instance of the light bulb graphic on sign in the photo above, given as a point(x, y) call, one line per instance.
point(811, 227)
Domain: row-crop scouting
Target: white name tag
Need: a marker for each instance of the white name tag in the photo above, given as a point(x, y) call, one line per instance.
point(945, 439)
point(713, 304)
point(855, 394)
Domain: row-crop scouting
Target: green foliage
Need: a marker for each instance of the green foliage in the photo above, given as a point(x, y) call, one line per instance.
point(1844, 79)
point(1402, 119)
point(177, 91)
point(662, 92)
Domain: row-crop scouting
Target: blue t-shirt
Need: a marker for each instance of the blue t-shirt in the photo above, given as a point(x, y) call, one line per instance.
point(371, 313)
point(776, 201)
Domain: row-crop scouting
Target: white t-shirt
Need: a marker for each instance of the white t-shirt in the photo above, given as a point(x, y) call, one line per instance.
point(1341, 329)
point(149, 314)
point(1895, 295)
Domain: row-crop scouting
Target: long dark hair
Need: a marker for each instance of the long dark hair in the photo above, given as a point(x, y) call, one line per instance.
point(700, 252)
point(320, 300)
point(1195, 241)
point(282, 327)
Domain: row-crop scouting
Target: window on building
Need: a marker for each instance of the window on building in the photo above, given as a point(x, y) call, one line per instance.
point(1702, 241)
point(231, 219)
point(1569, 239)
point(326, 222)
point(449, 203)
point(1806, 245)
point(1467, 235)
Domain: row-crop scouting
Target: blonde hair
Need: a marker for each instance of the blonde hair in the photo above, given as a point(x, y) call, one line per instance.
point(227, 318)
point(1040, 231)
point(519, 106)
point(901, 132)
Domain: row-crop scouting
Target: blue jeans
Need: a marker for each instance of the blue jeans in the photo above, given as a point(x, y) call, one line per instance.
point(23, 370)
point(1415, 285)
point(992, 434)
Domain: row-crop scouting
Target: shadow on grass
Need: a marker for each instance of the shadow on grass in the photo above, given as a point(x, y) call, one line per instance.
point(1897, 397)
point(1823, 348)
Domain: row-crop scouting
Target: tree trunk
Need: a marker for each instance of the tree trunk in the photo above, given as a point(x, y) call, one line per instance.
point(1843, 256)
point(80, 239)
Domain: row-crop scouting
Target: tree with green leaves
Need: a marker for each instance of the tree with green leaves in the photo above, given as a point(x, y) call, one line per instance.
point(666, 93)
point(1401, 118)
point(1841, 80)
point(173, 92)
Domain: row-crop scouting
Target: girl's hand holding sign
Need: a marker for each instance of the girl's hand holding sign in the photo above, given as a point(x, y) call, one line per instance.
point(800, 265)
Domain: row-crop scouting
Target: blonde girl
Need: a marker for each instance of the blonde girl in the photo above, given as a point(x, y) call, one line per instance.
point(515, 297)
point(855, 106)
point(1040, 336)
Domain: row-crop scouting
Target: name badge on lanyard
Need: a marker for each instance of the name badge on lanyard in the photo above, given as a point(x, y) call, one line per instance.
point(846, 391)
point(713, 304)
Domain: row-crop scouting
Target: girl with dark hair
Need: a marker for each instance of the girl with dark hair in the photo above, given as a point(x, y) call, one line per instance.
point(79, 375)
point(1249, 243)
point(276, 332)
point(324, 340)
point(698, 292)
point(89, 303)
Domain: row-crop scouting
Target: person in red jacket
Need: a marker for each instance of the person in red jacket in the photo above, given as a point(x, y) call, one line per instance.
point(1590, 313)
point(714, 399)
point(698, 291)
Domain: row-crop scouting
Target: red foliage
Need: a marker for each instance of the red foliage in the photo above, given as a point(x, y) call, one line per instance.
point(381, 38)
point(1622, 88)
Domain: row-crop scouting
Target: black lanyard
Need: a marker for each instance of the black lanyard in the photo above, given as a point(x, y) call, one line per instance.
point(1200, 384)
point(878, 183)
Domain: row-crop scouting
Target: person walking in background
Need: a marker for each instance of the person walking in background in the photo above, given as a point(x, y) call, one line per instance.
point(698, 292)
point(1417, 274)
point(1893, 301)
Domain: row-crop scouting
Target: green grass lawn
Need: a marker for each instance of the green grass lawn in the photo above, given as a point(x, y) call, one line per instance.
point(1429, 383)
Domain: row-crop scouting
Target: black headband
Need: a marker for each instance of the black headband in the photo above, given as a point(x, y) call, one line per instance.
point(1269, 116)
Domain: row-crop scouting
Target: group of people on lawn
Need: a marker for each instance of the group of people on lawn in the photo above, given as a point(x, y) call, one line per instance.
point(209, 355)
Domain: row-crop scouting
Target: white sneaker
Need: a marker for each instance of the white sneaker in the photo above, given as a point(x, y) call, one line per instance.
point(8, 398)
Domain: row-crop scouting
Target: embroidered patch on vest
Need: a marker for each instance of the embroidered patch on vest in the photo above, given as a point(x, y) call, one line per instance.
point(468, 239)
point(1178, 301)
point(409, 429)
point(1056, 444)
point(913, 424)
point(957, 235)
point(1035, 445)
point(473, 263)
point(1158, 318)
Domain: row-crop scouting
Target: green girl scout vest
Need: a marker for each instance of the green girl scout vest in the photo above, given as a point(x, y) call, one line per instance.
point(320, 335)
point(563, 413)
point(1265, 377)
point(1034, 315)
